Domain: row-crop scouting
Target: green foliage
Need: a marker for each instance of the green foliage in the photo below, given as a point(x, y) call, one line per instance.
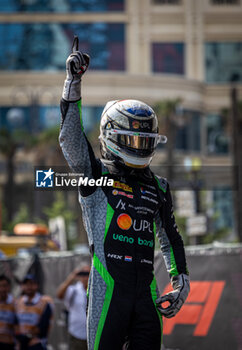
point(166, 111)
point(216, 236)
point(59, 208)
point(5, 223)
point(181, 224)
point(208, 238)
point(167, 107)
point(49, 136)
point(240, 106)
point(22, 215)
point(10, 141)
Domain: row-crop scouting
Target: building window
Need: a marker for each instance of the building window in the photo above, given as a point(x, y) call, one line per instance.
point(225, 2)
point(91, 117)
point(223, 208)
point(188, 135)
point(217, 135)
point(223, 62)
point(51, 44)
point(167, 2)
point(168, 58)
point(187, 132)
point(65, 6)
point(37, 118)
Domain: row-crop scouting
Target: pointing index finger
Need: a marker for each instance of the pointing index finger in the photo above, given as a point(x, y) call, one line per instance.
point(75, 44)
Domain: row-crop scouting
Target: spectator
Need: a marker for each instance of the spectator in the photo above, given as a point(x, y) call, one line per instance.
point(75, 301)
point(34, 314)
point(7, 315)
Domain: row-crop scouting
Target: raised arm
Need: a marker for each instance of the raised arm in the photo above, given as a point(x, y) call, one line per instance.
point(73, 141)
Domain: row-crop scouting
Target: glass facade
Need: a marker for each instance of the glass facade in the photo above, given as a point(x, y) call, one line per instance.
point(45, 46)
point(91, 116)
point(12, 118)
point(168, 58)
point(223, 62)
point(37, 118)
point(225, 2)
point(223, 206)
point(188, 136)
point(167, 2)
point(9, 6)
point(217, 138)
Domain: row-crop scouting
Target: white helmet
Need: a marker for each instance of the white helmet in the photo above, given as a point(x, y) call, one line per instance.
point(129, 133)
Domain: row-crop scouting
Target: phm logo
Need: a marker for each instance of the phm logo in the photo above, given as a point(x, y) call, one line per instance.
point(44, 178)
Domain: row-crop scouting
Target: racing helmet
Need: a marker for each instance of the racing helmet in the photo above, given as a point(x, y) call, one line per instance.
point(129, 133)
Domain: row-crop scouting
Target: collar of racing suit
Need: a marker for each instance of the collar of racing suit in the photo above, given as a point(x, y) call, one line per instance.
point(116, 168)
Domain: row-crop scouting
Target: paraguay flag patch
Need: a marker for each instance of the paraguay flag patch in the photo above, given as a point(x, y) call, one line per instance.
point(128, 258)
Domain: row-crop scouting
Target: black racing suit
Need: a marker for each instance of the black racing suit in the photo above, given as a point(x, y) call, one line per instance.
point(121, 222)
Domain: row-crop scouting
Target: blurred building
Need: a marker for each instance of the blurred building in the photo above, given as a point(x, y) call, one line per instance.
point(142, 49)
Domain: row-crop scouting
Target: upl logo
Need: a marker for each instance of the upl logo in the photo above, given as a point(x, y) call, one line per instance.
point(125, 222)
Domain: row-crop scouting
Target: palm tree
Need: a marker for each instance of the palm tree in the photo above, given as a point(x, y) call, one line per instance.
point(47, 150)
point(166, 111)
point(9, 143)
point(44, 146)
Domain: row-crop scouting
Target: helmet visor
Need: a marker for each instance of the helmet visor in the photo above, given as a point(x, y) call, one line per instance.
point(136, 140)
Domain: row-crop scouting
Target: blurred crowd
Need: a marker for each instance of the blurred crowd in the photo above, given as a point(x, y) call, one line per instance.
point(25, 321)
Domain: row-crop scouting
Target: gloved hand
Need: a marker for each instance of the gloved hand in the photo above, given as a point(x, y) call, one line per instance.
point(76, 65)
point(176, 298)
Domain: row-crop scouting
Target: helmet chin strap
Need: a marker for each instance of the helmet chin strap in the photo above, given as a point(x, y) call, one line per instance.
point(117, 168)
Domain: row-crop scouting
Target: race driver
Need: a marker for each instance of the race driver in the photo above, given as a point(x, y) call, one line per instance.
point(122, 220)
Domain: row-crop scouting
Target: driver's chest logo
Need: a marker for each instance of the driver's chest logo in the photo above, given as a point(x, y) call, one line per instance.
point(122, 186)
point(125, 222)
